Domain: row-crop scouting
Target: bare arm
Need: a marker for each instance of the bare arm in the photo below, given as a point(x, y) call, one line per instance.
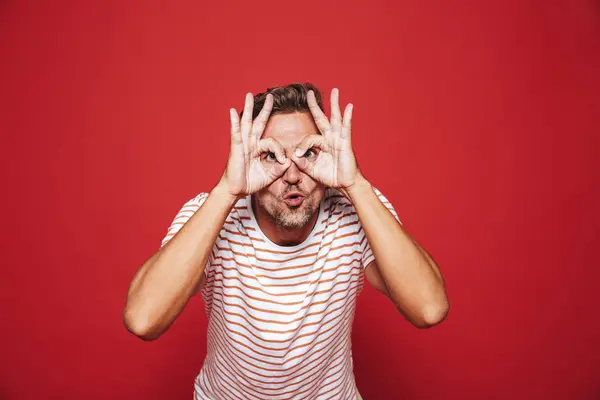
point(162, 287)
point(404, 271)
point(374, 276)
point(164, 284)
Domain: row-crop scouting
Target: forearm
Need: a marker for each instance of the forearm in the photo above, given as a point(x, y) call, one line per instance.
point(412, 278)
point(164, 284)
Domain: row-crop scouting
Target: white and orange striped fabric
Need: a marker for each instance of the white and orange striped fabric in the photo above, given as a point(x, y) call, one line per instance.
point(280, 317)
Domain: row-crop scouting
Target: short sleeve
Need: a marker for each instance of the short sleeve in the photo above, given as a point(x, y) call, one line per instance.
point(367, 253)
point(185, 213)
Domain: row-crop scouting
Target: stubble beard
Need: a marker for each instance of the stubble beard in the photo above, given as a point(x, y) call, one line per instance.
point(287, 217)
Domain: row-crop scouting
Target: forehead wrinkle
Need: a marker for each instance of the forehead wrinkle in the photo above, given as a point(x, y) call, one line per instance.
point(290, 129)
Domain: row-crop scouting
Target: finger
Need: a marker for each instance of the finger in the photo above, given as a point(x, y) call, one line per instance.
point(318, 115)
point(273, 146)
point(317, 141)
point(258, 126)
point(336, 117)
point(347, 125)
point(247, 116)
point(303, 164)
point(278, 170)
point(236, 134)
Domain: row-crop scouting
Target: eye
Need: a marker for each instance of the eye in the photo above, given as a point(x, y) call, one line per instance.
point(310, 153)
point(271, 156)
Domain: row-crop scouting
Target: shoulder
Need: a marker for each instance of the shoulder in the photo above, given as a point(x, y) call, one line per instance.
point(337, 204)
point(198, 200)
point(237, 213)
point(189, 208)
point(336, 200)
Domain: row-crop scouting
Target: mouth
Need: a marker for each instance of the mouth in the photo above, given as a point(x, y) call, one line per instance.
point(293, 199)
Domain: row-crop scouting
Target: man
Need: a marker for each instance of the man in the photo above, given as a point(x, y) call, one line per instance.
point(279, 250)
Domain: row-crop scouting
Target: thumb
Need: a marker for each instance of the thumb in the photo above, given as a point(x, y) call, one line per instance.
point(300, 157)
point(274, 169)
point(303, 164)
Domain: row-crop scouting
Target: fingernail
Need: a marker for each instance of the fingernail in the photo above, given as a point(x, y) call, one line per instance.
point(299, 153)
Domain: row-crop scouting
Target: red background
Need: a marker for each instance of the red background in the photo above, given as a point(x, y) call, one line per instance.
point(478, 120)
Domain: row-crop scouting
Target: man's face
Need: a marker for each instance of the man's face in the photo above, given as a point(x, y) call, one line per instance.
point(289, 130)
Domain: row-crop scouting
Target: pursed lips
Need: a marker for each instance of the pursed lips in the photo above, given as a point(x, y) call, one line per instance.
point(293, 195)
point(294, 199)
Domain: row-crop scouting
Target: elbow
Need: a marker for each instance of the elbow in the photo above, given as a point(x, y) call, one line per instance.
point(140, 326)
point(431, 315)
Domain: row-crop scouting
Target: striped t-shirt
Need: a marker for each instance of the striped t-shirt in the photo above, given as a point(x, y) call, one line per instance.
point(280, 317)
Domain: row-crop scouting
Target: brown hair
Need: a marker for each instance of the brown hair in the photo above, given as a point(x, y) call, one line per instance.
point(287, 99)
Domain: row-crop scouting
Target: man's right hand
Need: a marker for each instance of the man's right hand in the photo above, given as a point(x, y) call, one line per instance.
point(254, 163)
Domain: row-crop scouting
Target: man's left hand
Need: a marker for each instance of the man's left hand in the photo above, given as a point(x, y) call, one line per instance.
point(328, 158)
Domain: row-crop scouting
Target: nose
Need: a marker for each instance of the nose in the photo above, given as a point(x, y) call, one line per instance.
point(292, 175)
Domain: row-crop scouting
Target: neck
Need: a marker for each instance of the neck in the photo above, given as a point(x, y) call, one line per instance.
point(278, 234)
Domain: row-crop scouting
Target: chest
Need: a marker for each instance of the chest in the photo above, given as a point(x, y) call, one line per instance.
point(283, 293)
